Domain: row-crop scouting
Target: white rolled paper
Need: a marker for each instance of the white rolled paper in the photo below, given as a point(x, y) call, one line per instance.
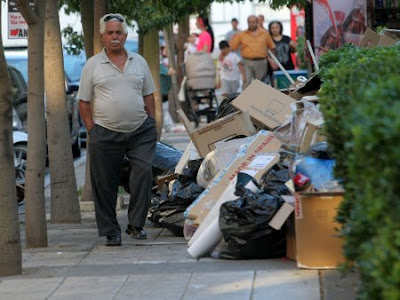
point(207, 241)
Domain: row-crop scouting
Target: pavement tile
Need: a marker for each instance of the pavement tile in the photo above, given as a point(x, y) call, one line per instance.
point(220, 285)
point(335, 286)
point(88, 288)
point(166, 253)
point(278, 284)
point(154, 286)
point(102, 255)
point(52, 259)
point(29, 289)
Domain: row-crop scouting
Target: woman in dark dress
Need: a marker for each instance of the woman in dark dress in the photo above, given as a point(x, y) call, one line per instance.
point(285, 46)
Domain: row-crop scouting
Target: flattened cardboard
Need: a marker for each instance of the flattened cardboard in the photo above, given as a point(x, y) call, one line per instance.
point(387, 39)
point(311, 135)
point(268, 107)
point(281, 216)
point(190, 153)
point(238, 123)
point(248, 159)
point(290, 238)
point(370, 39)
point(318, 245)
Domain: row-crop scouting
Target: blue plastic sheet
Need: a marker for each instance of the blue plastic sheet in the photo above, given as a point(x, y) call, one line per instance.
point(166, 157)
point(320, 172)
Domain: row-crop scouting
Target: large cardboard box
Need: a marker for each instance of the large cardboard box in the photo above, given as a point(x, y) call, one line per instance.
point(255, 158)
point(268, 107)
point(235, 124)
point(318, 245)
point(389, 37)
point(370, 39)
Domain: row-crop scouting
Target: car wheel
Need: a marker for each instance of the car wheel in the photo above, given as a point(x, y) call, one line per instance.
point(20, 156)
point(76, 148)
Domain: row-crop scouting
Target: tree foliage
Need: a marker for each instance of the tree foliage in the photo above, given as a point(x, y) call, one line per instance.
point(360, 102)
point(156, 14)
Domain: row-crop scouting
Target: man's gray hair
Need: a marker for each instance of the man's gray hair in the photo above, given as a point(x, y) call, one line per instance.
point(112, 17)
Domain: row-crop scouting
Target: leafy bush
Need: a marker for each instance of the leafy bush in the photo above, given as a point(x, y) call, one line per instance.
point(360, 100)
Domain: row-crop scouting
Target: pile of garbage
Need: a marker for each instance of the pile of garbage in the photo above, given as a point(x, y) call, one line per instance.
point(239, 189)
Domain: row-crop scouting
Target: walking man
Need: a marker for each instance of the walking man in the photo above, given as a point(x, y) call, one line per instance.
point(235, 30)
point(254, 43)
point(117, 107)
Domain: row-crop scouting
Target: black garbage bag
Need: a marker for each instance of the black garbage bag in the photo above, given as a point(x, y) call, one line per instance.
point(273, 181)
point(190, 172)
point(174, 221)
point(167, 210)
point(244, 225)
point(226, 107)
point(320, 150)
point(185, 193)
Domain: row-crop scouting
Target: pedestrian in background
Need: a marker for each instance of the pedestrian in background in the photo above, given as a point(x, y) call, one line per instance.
point(261, 21)
point(235, 30)
point(284, 47)
point(254, 43)
point(205, 41)
point(119, 87)
point(230, 68)
point(191, 45)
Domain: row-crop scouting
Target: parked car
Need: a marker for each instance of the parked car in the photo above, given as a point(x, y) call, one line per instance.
point(20, 95)
point(20, 141)
point(18, 60)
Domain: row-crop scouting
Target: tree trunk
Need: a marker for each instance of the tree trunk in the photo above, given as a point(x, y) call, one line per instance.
point(99, 11)
point(141, 43)
point(64, 196)
point(35, 208)
point(151, 53)
point(173, 102)
point(10, 242)
point(87, 19)
point(183, 34)
point(88, 28)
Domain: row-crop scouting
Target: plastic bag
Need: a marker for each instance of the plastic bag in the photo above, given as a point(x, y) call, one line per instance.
point(185, 192)
point(273, 181)
point(218, 159)
point(167, 210)
point(166, 157)
point(320, 171)
point(320, 150)
point(244, 225)
point(226, 107)
point(291, 131)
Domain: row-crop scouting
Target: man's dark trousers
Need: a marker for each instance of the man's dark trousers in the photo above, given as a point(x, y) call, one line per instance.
point(107, 149)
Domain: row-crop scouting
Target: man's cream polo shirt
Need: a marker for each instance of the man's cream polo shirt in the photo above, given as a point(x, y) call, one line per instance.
point(117, 96)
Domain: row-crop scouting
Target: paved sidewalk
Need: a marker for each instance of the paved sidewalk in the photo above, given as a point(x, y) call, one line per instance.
point(77, 265)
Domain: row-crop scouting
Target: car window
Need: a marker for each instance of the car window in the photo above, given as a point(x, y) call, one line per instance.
point(73, 65)
point(21, 65)
point(14, 84)
point(132, 45)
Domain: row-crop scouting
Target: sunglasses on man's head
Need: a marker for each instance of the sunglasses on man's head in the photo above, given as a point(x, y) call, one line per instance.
point(112, 17)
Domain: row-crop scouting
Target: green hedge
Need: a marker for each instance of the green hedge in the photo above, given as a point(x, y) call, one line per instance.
point(360, 100)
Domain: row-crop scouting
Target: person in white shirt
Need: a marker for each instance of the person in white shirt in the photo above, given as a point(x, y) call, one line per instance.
point(230, 68)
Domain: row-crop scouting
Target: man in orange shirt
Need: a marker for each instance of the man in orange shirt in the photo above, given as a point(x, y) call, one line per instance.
point(254, 43)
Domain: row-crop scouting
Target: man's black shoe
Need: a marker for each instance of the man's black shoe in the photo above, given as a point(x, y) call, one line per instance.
point(113, 240)
point(136, 232)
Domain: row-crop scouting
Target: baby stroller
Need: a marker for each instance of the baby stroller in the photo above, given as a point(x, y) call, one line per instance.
point(200, 99)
